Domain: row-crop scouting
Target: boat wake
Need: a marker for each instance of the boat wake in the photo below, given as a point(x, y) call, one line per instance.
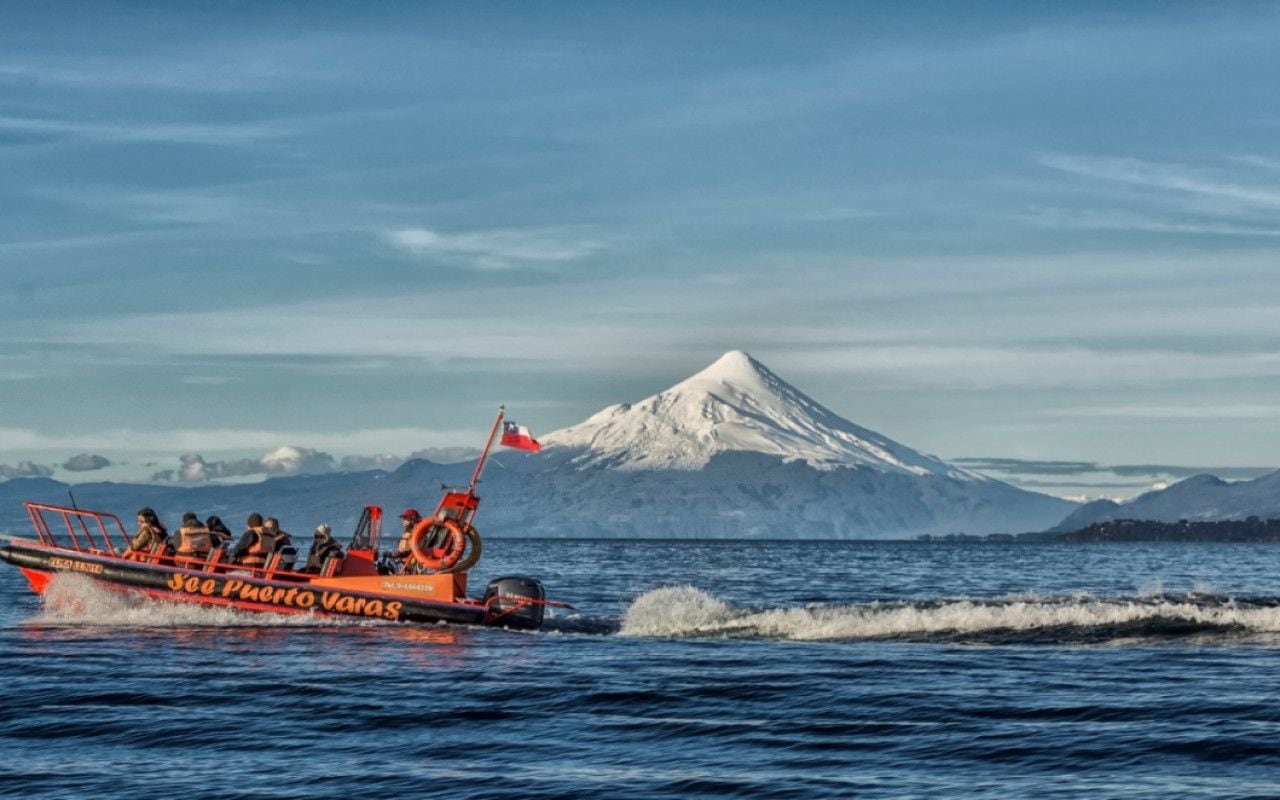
point(687, 612)
point(77, 600)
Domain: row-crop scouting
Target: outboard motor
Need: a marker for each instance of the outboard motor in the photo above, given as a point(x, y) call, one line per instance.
point(515, 602)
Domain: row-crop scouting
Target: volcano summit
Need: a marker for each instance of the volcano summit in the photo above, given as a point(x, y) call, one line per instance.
point(736, 451)
point(737, 405)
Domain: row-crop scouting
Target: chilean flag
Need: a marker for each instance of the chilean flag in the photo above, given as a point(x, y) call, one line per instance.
point(518, 436)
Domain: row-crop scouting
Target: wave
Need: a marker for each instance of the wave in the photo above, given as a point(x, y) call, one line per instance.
point(687, 612)
point(81, 601)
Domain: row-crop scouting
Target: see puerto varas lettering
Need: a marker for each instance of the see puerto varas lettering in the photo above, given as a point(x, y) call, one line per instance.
point(296, 597)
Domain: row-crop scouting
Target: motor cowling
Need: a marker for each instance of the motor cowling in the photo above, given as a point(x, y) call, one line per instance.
point(515, 602)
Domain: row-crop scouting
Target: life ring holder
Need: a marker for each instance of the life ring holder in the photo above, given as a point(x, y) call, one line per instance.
point(438, 559)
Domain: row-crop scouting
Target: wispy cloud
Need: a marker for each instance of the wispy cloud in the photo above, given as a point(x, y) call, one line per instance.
point(1093, 220)
point(498, 249)
point(1028, 466)
point(247, 64)
point(1147, 472)
point(193, 440)
point(1172, 177)
point(209, 380)
point(80, 242)
point(898, 367)
point(117, 132)
point(1171, 413)
point(1260, 162)
point(163, 207)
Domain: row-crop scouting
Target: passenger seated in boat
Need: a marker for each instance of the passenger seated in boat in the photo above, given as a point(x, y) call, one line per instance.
point(322, 548)
point(151, 531)
point(283, 544)
point(194, 540)
point(255, 545)
point(219, 536)
point(404, 548)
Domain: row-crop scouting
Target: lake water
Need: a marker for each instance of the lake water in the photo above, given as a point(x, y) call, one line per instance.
point(692, 669)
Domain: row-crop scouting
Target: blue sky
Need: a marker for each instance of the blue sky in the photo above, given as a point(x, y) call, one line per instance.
point(989, 230)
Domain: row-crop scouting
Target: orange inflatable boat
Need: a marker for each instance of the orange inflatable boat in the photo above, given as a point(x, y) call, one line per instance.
point(432, 590)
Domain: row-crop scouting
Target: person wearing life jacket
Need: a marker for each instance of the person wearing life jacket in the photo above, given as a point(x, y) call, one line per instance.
point(404, 548)
point(283, 543)
point(256, 545)
point(322, 548)
point(194, 540)
point(219, 535)
point(151, 531)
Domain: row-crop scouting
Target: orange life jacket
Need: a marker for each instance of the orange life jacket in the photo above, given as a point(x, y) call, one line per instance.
point(263, 544)
point(194, 542)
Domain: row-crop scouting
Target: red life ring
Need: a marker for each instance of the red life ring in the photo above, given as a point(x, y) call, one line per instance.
point(438, 559)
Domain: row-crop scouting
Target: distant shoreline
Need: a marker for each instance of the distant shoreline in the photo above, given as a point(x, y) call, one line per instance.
point(1234, 531)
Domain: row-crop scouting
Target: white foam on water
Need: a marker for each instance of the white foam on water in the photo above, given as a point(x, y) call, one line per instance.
point(674, 611)
point(688, 612)
point(80, 600)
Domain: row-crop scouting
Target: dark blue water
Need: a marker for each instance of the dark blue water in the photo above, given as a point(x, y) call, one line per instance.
point(778, 670)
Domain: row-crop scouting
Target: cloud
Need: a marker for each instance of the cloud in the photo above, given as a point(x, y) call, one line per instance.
point(245, 66)
point(1148, 472)
point(1114, 481)
point(206, 440)
point(25, 469)
point(446, 455)
point(1190, 413)
point(209, 380)
point(1017, 465)
point(1113, 220)
point(88, 242)
point(149, 133)
point(1154, 175)
point(290, 460)
point(86, 463)
point(1180, 472)
point(359, 463)
point(976, 366)
point(499, 249)
point(287, 460)
point(1261, 162)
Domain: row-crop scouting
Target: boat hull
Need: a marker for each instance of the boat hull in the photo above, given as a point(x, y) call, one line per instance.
point(326, 597)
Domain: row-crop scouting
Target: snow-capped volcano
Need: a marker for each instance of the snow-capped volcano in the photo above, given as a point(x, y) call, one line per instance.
point(737, 405)
point(733, 451)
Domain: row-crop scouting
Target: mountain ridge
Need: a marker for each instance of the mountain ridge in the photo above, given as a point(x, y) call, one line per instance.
point(1200, 497)
point(733, 451)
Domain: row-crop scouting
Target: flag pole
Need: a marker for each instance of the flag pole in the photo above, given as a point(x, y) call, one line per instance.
point(488, 445)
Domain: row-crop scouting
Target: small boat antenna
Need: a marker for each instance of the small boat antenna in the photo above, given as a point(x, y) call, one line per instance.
point(73, 499)
point(484, 455)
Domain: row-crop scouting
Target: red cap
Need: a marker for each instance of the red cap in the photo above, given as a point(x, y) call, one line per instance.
point(410, 512)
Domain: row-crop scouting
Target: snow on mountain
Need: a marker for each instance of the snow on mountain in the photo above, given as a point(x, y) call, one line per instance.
point(735, 451)
point(289, 460)
point(285, 458)
point(732, 452)
point(736, 405)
